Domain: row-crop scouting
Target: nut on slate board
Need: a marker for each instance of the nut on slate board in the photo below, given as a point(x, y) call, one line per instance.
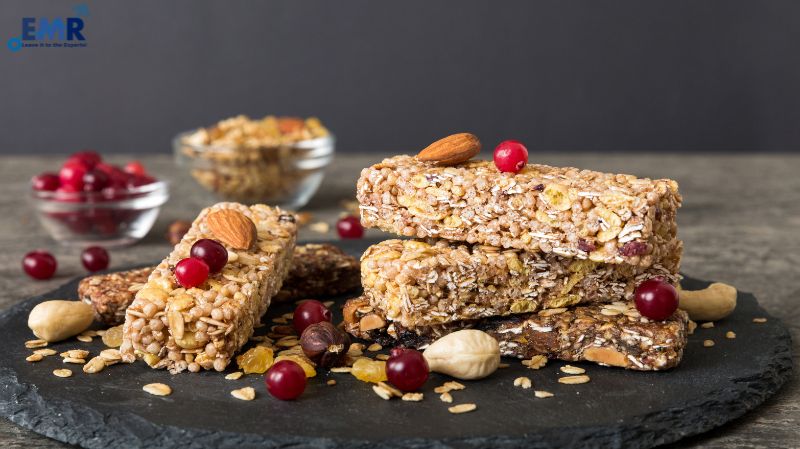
point(57, 320)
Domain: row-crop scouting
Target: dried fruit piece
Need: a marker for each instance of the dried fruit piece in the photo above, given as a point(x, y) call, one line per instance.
point(559, 197)
point(367, 370)
point(232, 228)
point(304, 363)
point(113, 337)
point(451, 150)
point(255, 360)
point(610, 224)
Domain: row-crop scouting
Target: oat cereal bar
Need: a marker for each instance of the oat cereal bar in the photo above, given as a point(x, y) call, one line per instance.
point(612, 334)
point(202, 328)
point(609, 218)
point(317, 270)
point(110, 294)
point(423, 283)
point(320, 269)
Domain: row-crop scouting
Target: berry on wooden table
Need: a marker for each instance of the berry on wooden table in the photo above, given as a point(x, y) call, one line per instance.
point(349, 228)
point(95, 258)
point(45, 182)
point(39, 264)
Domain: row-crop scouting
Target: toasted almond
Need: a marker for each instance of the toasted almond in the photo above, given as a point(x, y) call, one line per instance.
point(382, 392)
point(245, 394)
point(234, 376)
point(569, 369)
point(413, 397)
point(542, 394)
point(370, 322)
point(523, 382)
point(232, 228)
point(451, 150)
point(157, 389)
point(62, 372)
point(708, 343)
point(34, 357)
point(446, 397)
point(571, 380)
point(462, 408)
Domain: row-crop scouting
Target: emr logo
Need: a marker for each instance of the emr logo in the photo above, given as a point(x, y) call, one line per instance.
point(51, 32)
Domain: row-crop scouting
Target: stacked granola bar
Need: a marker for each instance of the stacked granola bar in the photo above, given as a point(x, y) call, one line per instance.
point(546, 260)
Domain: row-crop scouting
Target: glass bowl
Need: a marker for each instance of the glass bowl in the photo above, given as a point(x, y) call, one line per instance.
point(286, 175)
point(110, 218)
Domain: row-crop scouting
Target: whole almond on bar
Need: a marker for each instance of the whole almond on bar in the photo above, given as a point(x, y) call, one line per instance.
point(451, 150)
point(232, 228)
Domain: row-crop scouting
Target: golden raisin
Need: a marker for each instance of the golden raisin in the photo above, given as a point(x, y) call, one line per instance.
point(255, 360)
point(300, 360)
point(367, 370)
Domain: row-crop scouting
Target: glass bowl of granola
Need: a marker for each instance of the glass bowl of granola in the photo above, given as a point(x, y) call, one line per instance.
point(273, 160)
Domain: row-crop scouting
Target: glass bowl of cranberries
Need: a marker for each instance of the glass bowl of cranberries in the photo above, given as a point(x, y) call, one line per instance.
point(89, 201)
point(274, 160)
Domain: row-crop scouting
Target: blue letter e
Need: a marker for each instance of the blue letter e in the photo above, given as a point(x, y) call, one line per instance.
point(28, 28)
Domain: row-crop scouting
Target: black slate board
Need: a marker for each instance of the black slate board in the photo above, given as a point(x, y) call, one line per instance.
point(617, 408)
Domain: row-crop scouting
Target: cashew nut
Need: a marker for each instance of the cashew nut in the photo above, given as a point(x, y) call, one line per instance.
point(465, 354)
point(709, 304)
point(57, 320)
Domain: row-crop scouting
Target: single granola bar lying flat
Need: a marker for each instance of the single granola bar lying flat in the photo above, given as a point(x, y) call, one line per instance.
point(609, 334)
point(610, 218)
point(317, 270)
point(423, 283)
point(202, 327)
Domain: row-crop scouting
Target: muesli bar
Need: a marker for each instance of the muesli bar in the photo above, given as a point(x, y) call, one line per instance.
point(202, 328)
point(612, 334)
point(603, 217)
point(423, 283)
point(317, 270)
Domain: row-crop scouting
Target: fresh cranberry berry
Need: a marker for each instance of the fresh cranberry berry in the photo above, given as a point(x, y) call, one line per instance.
point(138, 181)
point(88, 157)
point(95, 258)
point(510, 156)
point(191, 272)
point(309, 312)
point(349, 228)
point(118, 177)
point(211, 252)
point(71, 175)
point(656, 299)
point(45, 182)
point(285, 380)
point(135, 168)
point(407, 369)
point(397, 351)
point(95, 181)
point(39, 264)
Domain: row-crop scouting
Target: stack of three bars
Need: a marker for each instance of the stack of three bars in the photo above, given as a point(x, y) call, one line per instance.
point(545, 260)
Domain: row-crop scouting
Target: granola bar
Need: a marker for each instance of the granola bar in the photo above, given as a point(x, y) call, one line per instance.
point(609, 218)
point(202, 327)
point(424, 283)
point(110, 294)
point(612, 334)
point(317, 270)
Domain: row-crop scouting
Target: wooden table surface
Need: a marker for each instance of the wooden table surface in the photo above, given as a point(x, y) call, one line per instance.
point(740, 221)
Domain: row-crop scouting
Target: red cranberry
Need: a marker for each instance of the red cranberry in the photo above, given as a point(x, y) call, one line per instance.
point(191, 272)
point(71, 175)
point(39, 264)
point(407, 369)
point(87, 157)
point(309, 312)
point(138, 181)
point(95, 258)
point(510, 156)
point(656, 299)
point(118, 177)
point(211, 252)
point(285, 380)
point(45, 182)
point(135, 168)
point(95, 181)
point(349, 228)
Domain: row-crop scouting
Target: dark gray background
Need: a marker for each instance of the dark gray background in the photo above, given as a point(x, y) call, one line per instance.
point(566, 76)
